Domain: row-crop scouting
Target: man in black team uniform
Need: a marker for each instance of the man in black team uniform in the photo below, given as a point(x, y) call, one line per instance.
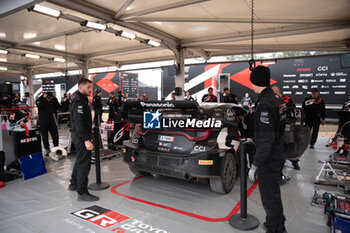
point(210, 97)
point(113, 107)
point(315, 113)
point(97, 104)
point(81, 121)
point(270, 152)
point(229, 97)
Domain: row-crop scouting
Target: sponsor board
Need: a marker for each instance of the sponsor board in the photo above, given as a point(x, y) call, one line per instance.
point(317, 80)
point(286, 87)
point(314, 86)
point(305, 87)
point(339, 92)
point(324, 86)
point(324, 92)
point(303, 81)
point(308, 75)
point(299, 93)
point(111, 221)
point(289, 81)
point(286, 92)
point(304, 69)
point(295, 87)
point(27, 140)
point(289, 75)
point(321, 75)
point(338, 86)
point(322, 68)
point(331, 80)
point(342, 80)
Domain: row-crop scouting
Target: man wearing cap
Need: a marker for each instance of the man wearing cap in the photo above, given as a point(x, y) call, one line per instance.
point(269, 159)
point(47, 121)
point(229, 97)
point(315, 112)
point(97, 104)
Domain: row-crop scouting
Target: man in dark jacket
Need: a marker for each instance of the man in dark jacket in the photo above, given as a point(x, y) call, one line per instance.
point(210, 97)
point(270, 152)
point(229, 97)
point(81, 121)
point(97, 104)
point(47, 121)
point(315, 113)
point(113, 107)
point(55, 104)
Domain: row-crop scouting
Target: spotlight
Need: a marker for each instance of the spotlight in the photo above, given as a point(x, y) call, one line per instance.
point(58, 59)
point(128, 35)
point(28, 55)
point(45, 10)
point(3, 51)
point(94, 25)
point(153, 43)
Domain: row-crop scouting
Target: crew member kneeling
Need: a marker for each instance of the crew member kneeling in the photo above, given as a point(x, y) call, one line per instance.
point(270, 153)
point(81, 121)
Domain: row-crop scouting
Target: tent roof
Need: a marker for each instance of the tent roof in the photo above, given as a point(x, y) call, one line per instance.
point(204, 28)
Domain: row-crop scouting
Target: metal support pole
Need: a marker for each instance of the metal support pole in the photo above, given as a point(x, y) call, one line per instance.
point(180, 77)
point(30, 85)
point(98, 185)
point(244, 221)
point(85, 69)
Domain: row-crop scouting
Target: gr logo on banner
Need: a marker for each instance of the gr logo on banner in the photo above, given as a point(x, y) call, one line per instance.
point(100, 216)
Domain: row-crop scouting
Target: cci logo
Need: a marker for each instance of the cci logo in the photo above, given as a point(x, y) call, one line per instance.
point(151, 120)
point(100, 216)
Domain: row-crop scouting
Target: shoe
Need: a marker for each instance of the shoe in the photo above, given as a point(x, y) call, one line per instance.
point(296, 165)
point(87, 197)
point(72, 188)
point(312, 147)
point(284, 179)
point(53, 156)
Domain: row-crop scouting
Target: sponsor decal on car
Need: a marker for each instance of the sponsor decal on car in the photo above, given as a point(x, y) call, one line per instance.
point(165, 138)
point(205, 162)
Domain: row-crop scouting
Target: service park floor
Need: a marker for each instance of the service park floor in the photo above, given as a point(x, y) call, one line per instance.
point(43, 204)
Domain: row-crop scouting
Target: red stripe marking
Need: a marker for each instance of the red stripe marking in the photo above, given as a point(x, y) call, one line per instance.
point(19, 108)
point(189, 214)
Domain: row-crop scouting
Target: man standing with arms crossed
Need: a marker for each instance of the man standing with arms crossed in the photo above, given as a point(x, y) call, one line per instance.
point(81, 121)
point(270, 153)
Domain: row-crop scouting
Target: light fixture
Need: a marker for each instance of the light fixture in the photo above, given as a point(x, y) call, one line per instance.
point(59, 47)
point(3, 51)
point(94, 25)
point(128, 35)
point(29, 35)
point(2, 34)
point(3, 60)
point(28, 55)
point(58, 59)
point(153, 43)
point(45, 10)
point(2, 68)
point(269, 62)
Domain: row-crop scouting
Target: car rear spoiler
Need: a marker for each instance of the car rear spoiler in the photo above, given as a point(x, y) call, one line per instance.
point(132, 111)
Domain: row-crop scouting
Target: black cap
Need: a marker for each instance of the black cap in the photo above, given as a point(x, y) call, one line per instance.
point(260, 76)
point(98, 91)
point(314, 90)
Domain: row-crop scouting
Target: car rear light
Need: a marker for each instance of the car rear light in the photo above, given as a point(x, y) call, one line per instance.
point(204, 133)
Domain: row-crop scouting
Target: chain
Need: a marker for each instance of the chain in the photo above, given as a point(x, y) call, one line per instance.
point(252, 30)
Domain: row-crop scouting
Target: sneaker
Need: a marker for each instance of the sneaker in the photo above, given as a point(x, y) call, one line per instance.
point(284, 179)
point(87, 197)
point(296, 165)
point(312, 147)
point(72, 188)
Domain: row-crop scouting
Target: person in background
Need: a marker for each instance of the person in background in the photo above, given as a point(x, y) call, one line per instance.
point(143, 96)
point(113, 107)
point(126, 97)
point(346, 105)
point(173, 96)
point(55, 104)
point(16, 100)
point(70, 97)
point(269, 158)
point(246, 101)
point(188, 96)
point(97, 105)
point(65, 102)
point(229, 97)
point(81, 121)
point(315, 113)
point(210, 97)
point(47, 121)
point(120, 99)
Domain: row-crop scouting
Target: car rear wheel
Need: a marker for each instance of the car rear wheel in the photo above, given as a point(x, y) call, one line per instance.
point(228, 172)
point(138, 172)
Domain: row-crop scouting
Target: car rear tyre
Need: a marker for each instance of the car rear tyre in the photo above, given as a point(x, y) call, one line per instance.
point(137, 172)
point(228, 172)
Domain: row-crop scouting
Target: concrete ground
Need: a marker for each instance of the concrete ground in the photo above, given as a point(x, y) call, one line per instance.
point(152, 204)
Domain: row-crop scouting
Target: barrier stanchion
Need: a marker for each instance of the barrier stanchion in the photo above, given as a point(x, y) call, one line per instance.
point(98, 185)
point(244, 221)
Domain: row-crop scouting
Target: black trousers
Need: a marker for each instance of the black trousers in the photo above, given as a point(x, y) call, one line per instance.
point(270, 194)
point(81, 168)
point(45, 128)
point(314, 125)
point(98, 117)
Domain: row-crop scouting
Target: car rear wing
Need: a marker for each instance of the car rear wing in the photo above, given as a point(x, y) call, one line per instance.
point(132, 111)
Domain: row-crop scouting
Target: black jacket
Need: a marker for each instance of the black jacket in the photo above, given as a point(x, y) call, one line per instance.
point(207, 98)
point(55, 104)
point(314, 109)
point(45, 110)
point(113, 104)
point(97, 103)
point(346, 106)
point(269, 121)
point(290, 106)
point(81, 121)
point(231, 98)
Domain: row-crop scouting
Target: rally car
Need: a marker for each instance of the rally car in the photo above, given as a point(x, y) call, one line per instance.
point(185, 140)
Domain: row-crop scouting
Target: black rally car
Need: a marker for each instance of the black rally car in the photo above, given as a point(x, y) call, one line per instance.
point(187, 141)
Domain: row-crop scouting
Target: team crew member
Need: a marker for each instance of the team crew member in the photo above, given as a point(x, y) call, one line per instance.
point(315, 112)
point(188, 96)
point(270, 156)
point(97, 104)
point(113, 107)
point(81, 121)
point(55, 104)
point(210, 97)
point(229, 97)
point(47, 121)
point(173, 96)
point(246, 101)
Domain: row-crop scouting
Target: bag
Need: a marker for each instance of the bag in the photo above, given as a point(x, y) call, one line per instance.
point(32, 165)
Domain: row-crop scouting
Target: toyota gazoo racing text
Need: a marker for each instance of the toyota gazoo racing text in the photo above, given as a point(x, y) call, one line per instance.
point(185, 140)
